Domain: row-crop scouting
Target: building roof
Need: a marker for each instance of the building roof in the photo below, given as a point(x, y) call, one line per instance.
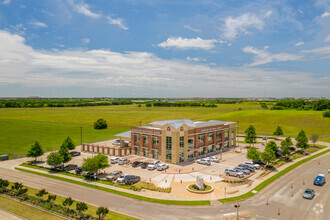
point(190, 123)
point(126, 134)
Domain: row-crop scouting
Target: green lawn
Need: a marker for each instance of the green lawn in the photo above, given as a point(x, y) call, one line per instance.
point(20, 127)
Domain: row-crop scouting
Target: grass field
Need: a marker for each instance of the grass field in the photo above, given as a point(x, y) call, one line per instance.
point(20, 127)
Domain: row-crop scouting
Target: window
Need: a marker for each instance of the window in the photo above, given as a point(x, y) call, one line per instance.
point(209, 136)
point(181, 142)
point(200, 138)
point(168, 149)
point(136, 138)
point(181, 155)
point(145, 139)
point(155, 154)
point(226, 133)
point(155, 140)
point(218, 135)
point(190, 141)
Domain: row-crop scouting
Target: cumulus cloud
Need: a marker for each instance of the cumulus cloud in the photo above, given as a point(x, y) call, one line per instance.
point(243, 23)
point(300, 43)
point(325, 14)
point(118, 22)
point(38, 24)
point(188, 43)
point(21, 65)
point(192, 29)
point(264, 57)
point(84, 9)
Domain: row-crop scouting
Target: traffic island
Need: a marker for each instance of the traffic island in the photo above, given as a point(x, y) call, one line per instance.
point(194, 189)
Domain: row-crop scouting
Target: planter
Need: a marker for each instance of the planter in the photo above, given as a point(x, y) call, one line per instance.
point(199, 191)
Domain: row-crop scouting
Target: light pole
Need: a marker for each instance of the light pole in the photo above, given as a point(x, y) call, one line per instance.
point(237, 206)
point(81, 136)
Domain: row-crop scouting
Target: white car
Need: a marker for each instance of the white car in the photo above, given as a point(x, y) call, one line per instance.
point(252, 164)
point(153, 165)
point(203, 161)
point(213, 159)
point(116, 142)
point(121, 178)
point(122, 161)
point(114, 160)
point(162, 167)
point(329, 170)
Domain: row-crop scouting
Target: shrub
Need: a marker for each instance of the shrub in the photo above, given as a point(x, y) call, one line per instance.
point(100, 124)
point(296, 156)
point(311, 151)
point(150, 186)
point(326, 114)
point(281, 163)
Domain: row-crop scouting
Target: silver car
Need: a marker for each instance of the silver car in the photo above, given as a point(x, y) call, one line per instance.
point(309, 194)
point(214, 159)
point(233, 172)
point(241, 169)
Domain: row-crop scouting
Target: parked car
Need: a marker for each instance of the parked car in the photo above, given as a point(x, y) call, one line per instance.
point(114, 175)
point(162, 167)
point(144, 165)
point(116, 142)
point(203, 161)
point(74, 153)
point(85, 173)
point(153, 165)
point(136, 163)
point(246, 166)
point(60, 166)
point(130, 179)
point(257, 166)
point(123, 161)
point(232, 172)
point(114, 160)
point(69, 167)
point(309, 194)
point(260, 162)
point(78, 170)
point(319, 180)
point(121, 178)
point(213, 159)
point(243, 170)
point(329, 170)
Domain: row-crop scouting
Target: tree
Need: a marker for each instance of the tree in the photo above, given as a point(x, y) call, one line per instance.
point(253, 154)
point(272, 145)
point(268, 155)
point(102, 161)
point(41, 193)
point(69, 143)
point(250, 135)
point(55, 159)
point(326, 114)
point(65, 154)
point(4, 183)
point(18, 187)
point(302, 140)
point(100, 124)
point(68, 202)
point(35, 151)
point(102, 211)
point(314, 138)
point(278, 132)
point(81, 206)
point(51, 198)
point(285, 145)
point(90, 165)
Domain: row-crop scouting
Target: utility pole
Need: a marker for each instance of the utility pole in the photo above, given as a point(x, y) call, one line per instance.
point(81, 136)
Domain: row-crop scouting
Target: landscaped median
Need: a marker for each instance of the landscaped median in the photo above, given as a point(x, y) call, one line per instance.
point(163, 201)
point(271, 179)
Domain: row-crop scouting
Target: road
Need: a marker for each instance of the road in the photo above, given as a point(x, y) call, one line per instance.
point(278, 193)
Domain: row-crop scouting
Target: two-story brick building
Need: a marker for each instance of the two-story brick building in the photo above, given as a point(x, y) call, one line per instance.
point(176, 141)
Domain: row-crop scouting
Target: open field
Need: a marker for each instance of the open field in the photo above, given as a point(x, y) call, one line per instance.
point(20, 127)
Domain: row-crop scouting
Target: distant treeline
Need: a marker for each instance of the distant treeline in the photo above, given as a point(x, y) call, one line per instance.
point(40, 103)
point(300, 104)
point(181, 104)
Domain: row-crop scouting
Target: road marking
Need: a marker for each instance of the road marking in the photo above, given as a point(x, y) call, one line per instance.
point(233, 213)
point(318, 208)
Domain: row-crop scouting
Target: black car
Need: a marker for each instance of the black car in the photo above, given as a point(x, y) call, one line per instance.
point(74, 153)
point(130, 179)
point(144, 165)
point(136, 163)
point(70, 167)
point(78, 170)
point(260, 162)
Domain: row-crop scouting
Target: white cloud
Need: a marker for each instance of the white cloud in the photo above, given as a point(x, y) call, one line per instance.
point(264, 57)
point(327, 38)
point(192, 29)
point(300, 43)
point(6, 2)
point(319, 50)
point(196, 59)
point(18, 29)
point(241, 24)
point(26, 67)
point(38, 24)
point(85, 40)
point(188, 43)
point(325, 14)
point(118, 22)
point(84, 9)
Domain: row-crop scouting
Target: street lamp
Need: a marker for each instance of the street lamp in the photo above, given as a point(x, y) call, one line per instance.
point(237, 207)
point(81, 136)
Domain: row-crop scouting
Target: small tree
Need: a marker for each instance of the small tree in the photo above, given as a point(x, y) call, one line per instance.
point(100, 124)
point(18, 187)
point(90, 165)
point(278, 132)
point(4, 183)
point(68, 202)
point(35, 151)
point(65, 154)
point(314, 138)
point(102, 211)
point(51, 198)
point(69, 143)
point(272, 145)
point(250, 135)
point(253, 154)
point(268, 156)
point(41, 193)
point(102, 161)
point(302, 140)
point(54, 159)
point(326, 114)
point(81, 206)
point(285, 145)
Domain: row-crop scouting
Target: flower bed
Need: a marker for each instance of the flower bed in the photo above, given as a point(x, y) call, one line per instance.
point(194, 189)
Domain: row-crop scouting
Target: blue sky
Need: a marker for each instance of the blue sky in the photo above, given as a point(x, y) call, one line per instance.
point(168, 48)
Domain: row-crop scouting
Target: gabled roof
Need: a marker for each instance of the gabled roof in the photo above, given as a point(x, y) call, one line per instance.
point(190, 123)
point(126, 134)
